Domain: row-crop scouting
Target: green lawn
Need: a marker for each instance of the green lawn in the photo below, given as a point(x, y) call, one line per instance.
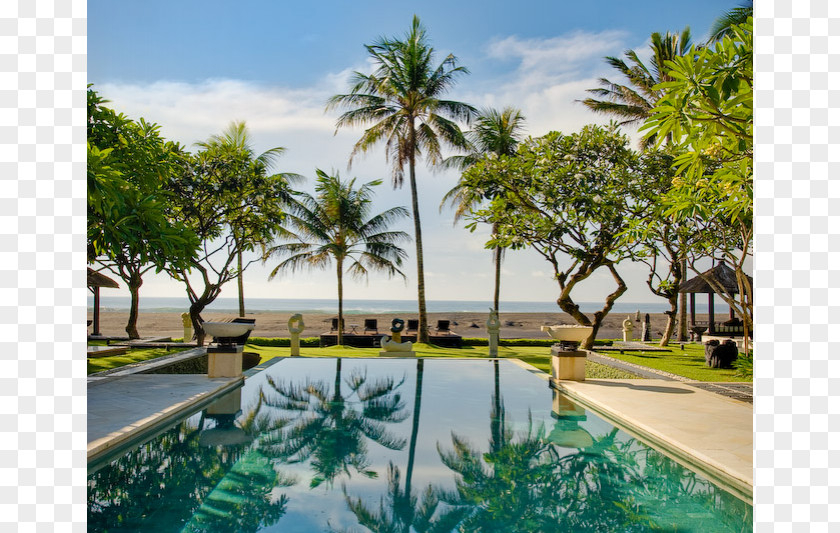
point(689, 363)
point(133, 355)
point(534, 355)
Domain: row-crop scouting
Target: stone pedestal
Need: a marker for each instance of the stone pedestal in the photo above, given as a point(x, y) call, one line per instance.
point(224, 362)
point(568, 364)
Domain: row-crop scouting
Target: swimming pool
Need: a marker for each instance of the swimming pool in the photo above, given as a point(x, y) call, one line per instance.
point(355, 445)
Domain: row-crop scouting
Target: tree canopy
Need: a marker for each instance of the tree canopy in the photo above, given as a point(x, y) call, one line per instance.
point(226, 196)
point(128, 230)
point(566, 197)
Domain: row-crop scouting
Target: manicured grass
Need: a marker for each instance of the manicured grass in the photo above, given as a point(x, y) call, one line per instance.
point(689, 363)
point(534, 355)
point(133, 355)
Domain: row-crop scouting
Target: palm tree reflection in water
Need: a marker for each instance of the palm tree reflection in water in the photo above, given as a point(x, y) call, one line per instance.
point(331, 426)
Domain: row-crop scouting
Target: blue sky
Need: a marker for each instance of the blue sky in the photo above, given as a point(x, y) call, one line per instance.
point(193, 67)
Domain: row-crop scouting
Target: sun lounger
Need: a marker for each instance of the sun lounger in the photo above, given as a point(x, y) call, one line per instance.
point(371, 325)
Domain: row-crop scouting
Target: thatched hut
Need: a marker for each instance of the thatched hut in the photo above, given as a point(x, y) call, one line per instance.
point(94, 281)
point(724, 276)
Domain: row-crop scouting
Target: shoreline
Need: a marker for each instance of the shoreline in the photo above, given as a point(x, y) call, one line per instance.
point(516, 325)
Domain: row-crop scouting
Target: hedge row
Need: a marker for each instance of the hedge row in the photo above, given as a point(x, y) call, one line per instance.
point(283, 342)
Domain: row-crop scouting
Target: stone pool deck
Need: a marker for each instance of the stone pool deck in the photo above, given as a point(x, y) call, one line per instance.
point(120, 408)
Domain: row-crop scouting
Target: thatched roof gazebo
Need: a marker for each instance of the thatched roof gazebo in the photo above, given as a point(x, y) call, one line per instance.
point(94, 281)
point(723, 275)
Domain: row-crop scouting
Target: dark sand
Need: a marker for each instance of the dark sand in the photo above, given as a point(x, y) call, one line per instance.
point(275, 324)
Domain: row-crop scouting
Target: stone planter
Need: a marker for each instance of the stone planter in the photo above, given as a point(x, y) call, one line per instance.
point(721, 355)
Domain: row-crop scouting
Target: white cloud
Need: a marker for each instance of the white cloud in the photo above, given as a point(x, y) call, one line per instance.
point(560, 56)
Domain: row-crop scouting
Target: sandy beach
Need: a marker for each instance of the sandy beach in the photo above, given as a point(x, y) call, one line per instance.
point(275, 324)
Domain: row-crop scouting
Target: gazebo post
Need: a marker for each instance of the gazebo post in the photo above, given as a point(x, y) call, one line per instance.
point(711, 313)
point(95, 311)
point(693, 313)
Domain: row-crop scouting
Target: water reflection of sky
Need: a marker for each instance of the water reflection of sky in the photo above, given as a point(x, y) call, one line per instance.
point(458, 399)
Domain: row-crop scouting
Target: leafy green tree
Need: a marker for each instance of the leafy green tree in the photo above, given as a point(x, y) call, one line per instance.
point(227, 197)
point(496, 133)
point(565, 196)
point(128, 232)
point(336, 224)
point(402, 103)
point(632, 103)
point(707, 113)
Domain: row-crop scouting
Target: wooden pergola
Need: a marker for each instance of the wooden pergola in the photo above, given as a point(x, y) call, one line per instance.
point(94, 281)
point(725, 276)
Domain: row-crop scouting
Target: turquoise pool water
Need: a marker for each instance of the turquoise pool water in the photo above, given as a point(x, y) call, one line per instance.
point(360, 445)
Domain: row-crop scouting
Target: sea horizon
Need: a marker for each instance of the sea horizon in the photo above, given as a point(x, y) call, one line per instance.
point(152, 304)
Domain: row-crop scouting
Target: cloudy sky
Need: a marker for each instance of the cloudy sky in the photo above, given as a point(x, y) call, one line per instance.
point(193, 67)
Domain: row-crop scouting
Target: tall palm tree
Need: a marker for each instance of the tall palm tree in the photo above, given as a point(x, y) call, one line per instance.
point(723, 24)
point(336, 225)
point(493, 132)
point(632, 103)
point(401, 102)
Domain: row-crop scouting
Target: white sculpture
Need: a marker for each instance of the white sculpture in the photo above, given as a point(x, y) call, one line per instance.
point(393, 344)
point(627, 329)
point(185, 317)
point(295, 331)
point(493, 333)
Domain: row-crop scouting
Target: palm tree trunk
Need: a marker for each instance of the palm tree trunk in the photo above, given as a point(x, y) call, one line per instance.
point(239, 283)
point(423, 327)
point(339, 269)
point(497, 257)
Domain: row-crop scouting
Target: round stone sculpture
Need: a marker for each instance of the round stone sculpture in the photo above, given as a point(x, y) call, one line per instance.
point(296, 326)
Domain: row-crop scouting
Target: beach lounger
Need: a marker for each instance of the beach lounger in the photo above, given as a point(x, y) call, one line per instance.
point(370, 325)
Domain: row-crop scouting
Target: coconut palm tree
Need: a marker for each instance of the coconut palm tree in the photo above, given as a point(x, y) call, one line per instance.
point(401, 104)
point(493, 132)
point(336, 225)
point(723, 24)
point(633, 102)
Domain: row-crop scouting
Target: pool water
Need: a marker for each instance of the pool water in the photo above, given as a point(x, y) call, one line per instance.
point(402, 445)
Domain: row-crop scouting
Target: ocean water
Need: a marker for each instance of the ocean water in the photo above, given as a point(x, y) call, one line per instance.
point(181, 304)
